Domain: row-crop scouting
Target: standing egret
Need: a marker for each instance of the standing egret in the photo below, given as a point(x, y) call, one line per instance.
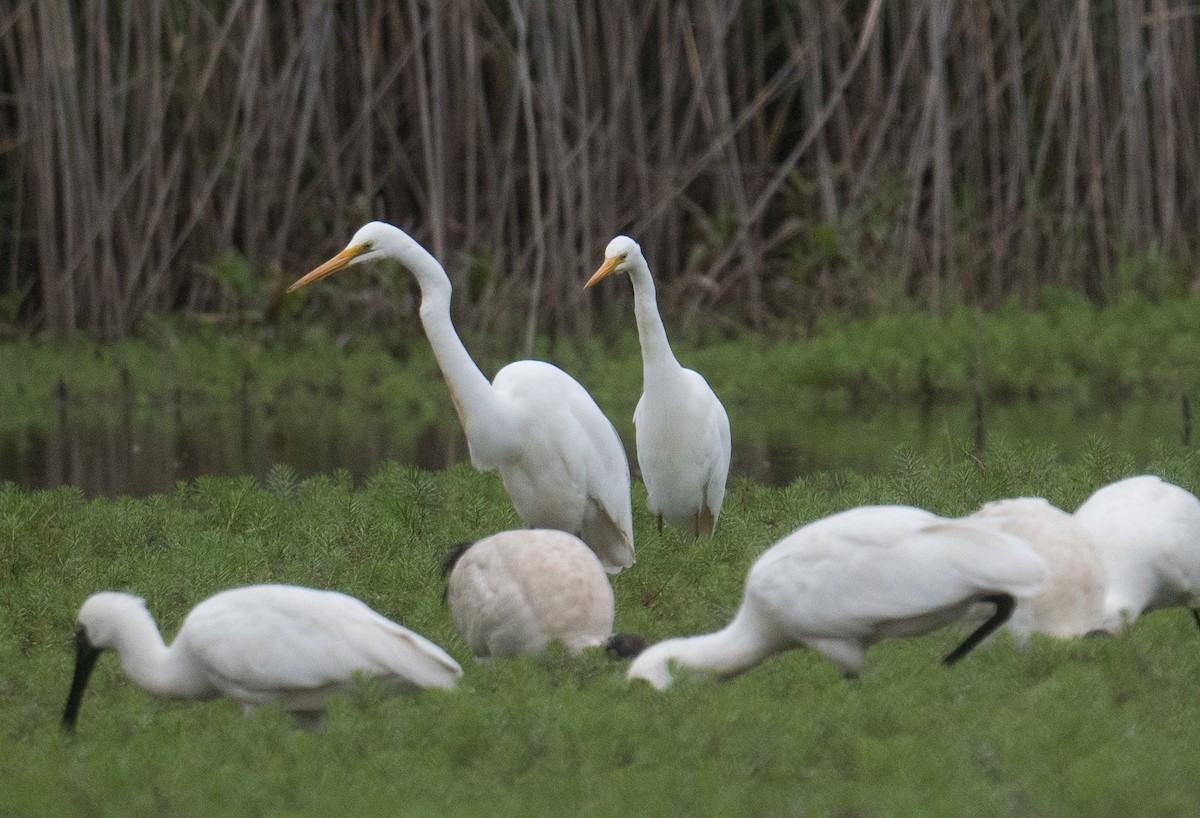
point(1071, 602)
point(845, 582)
point(682, 430)
point(517, 591)
point(559, 457)
point(1148, 533)
point(257, 644)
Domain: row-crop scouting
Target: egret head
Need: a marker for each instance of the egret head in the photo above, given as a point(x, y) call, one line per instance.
point(103, 616)
point(625, 645)
point(98, 626)
point(621, 254)
point(452, 557)
point(653, 665)
point(374, 240)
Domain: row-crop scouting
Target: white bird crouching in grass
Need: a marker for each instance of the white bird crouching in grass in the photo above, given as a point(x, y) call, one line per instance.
point(561, 460)
point(1071, 603)
point(680, 426)
point(517, 591)
point(258, 644)
point(1148, 534)
point(845, 582)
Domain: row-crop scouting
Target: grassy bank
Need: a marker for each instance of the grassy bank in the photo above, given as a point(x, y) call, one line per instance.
point(1068, 349)
point(1084, 727)
point(185, 400)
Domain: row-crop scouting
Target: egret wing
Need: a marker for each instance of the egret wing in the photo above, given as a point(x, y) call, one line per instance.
point(843, 575)
point(277, 638)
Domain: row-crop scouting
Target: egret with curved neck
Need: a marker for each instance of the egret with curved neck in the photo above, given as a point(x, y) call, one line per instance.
point(559, 457)
point(840, 584)
point(257, 644)
point(682, 430)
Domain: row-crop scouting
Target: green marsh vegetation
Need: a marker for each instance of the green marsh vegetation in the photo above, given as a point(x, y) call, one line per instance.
point(852, 181)
point(1084, 727)
point(843, 394)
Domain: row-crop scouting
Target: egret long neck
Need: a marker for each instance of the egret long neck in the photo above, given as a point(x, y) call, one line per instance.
point(727, 652)
point(154, 667)
point(657, 358)
point(469, 388)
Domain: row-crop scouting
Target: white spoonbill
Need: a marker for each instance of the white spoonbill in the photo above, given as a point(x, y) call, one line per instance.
point(1072, 600)
point(845, 582)
point(1148, 533)
point(559, 457)
point(681, 428)
point(517, 591)
point(257, 644)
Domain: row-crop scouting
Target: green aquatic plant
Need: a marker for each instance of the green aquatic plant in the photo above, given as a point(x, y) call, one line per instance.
point(1033, 730)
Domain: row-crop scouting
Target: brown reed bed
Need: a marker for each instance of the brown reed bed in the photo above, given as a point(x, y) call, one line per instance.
point(776, 159)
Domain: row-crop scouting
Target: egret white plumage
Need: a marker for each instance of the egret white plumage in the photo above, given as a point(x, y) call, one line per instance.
point(517, 591)
point(681, 428)
point(559, 457)
point(257, 644)
point(840, 584)
point(1148, 534)
point(1072, 600)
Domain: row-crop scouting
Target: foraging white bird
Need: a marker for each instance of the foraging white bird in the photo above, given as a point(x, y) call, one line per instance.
point(681, 428)
point(517, 591)
point(1071, 601)
point(258, 644)
point(561, 460)
point(845, 582)
point(1148, 534)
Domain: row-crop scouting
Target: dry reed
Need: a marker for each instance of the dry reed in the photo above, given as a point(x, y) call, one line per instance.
point(776, 159)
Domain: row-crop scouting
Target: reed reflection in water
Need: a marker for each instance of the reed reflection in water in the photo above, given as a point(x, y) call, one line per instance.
point(126, 448)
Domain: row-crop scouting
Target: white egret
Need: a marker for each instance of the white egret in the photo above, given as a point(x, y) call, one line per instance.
point(681, 428)
point(517, 591)
point(845, 582)
point(257, 644)
point(559, 457)
point(1071, 601)
point(1148, 534)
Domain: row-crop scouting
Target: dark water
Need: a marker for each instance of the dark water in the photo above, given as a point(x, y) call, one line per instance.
point(123, 449)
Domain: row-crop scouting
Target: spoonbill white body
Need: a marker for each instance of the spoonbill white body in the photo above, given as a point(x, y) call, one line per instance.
point(258, 644)
point(517, 591)
point(845, 582)
point(681, 427)
point(1148, 534)
point(1071, 602)
point(561, 460)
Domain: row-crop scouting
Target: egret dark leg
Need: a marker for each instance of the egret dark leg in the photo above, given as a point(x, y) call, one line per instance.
point(1004, 607)
point(659, 523)
point(1196, 616)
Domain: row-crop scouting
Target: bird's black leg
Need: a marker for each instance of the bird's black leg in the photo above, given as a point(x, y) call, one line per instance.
point(1004, 607)
point(1196, 616)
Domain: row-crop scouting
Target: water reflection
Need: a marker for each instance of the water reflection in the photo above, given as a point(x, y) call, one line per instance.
point(120, 453)
point(132, 449)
